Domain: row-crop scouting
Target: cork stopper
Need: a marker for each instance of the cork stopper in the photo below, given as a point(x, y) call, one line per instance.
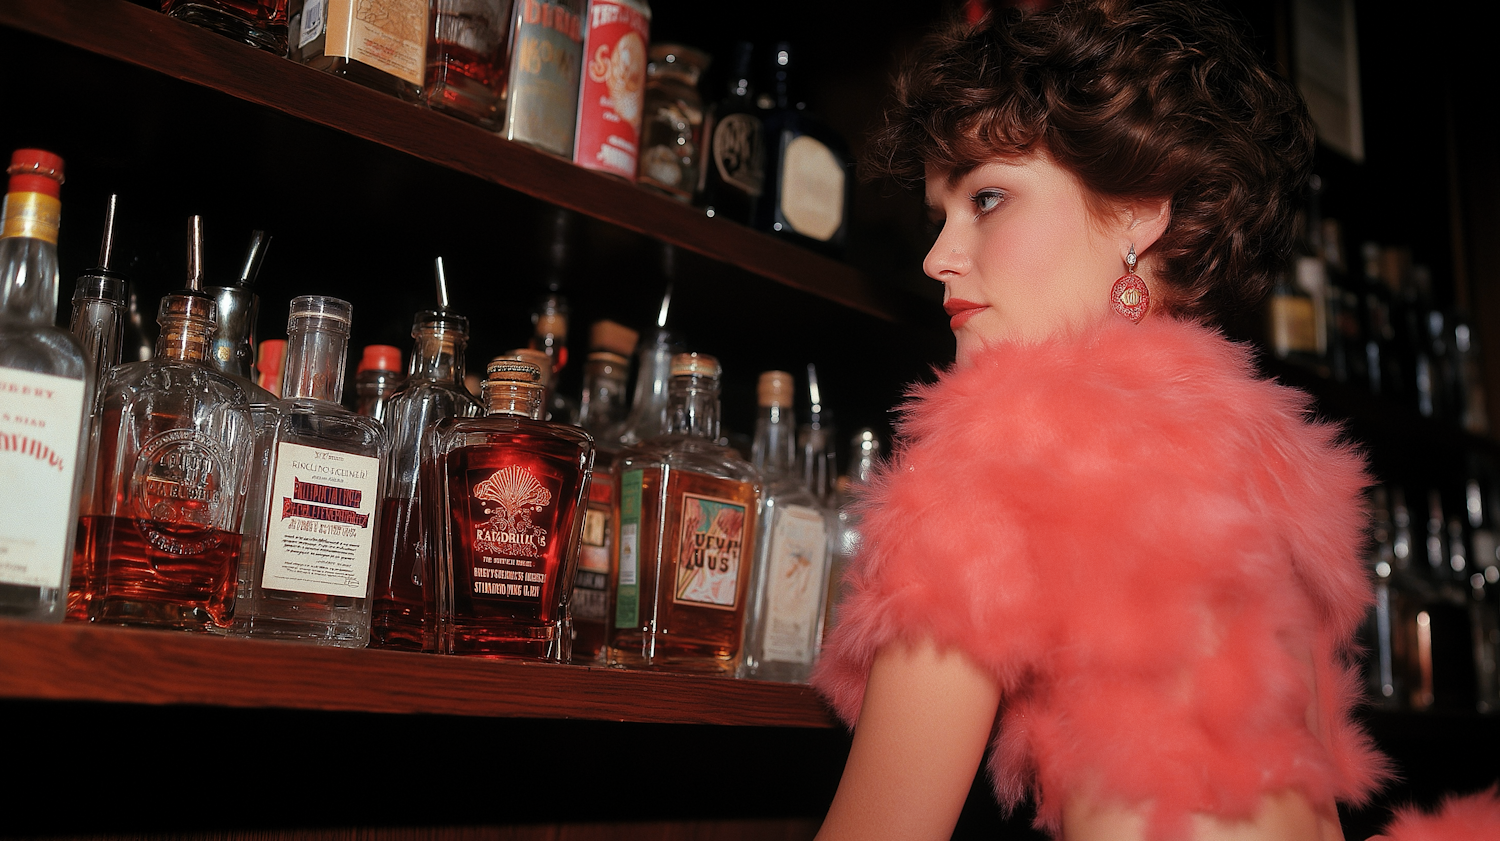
point(613, 337)
point(508, 369)
point(695, 364)
point(775, 389)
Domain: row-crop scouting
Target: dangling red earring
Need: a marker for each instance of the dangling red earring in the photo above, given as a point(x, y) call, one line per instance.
point(1129, 297)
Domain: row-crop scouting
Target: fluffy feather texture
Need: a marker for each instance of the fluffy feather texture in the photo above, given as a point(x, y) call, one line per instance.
point(1475, 817)
point(1155, 553)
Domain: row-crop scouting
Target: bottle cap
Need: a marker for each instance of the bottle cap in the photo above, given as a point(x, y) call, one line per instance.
point(775, 389)
point(613, 337)
point(695, 364)
point(269, 364)
point(35, 171)
point(320, 312)
point(509, 369)
point(379, 358)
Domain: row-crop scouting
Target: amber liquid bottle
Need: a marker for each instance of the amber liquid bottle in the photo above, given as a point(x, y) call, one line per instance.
point(686, 535)
point(504, 495)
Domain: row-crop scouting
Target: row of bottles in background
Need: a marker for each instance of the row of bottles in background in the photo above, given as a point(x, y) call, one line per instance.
point(581, 79)
point(1432, 638)
point(213, 503)
point(1377, 326)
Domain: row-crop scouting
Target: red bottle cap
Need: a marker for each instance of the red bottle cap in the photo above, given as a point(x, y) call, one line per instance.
point(35, 171)
point(379, 358)
point(268, 363)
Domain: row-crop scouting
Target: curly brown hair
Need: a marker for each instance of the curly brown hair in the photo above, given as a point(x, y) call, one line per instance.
point(1149, 99)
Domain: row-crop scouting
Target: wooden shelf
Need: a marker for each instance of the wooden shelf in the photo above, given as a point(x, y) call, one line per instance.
point(129, 666)
point(142, 37)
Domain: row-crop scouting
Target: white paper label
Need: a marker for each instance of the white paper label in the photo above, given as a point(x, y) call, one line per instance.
point(794, 582)
point(322, 522)
point(312, 22)
point(812, 189)
point(41, 417)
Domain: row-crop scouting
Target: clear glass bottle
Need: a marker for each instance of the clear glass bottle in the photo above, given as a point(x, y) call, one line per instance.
point(468, 59)
point(99, 301)
point(504, 496)
point(686, 531)
point(1383, 682)
point(864, 457)
point(601, 407)
point(433, 391)
point(44, 378)
point(734, 171)
point(309, 559)
point(816, 457)
point(384, 48)
point(783, 629)
point(672, 137)
point(233, 349)
point(259, 23)
point(651, 401)
point(376, 378)
point(160, 537)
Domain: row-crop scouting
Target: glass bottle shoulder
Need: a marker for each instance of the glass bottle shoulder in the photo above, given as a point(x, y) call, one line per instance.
point(419, 403)
point(321, 423)
point(689, 453)
point(456, 432)
point(164, 385)
point(40, 349)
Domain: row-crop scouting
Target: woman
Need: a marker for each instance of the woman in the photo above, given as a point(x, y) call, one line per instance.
point(1105, 552)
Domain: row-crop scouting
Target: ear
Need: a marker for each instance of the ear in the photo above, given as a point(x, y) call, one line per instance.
point(1145, 221)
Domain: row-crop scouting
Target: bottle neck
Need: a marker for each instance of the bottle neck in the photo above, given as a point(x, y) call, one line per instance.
point(514, 400)
point(437, 355)
point(649, 413)
point(98, 324)
point(314, 364)
point(694, 408)
point(28, 254)
point(603, 398)
point(774, 449)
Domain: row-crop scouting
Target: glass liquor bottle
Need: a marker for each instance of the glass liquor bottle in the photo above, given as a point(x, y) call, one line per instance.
point(733, 173)
point(651, 400)
point(99, 300)
point(1484, 576)
point(864, 458)
point(160, 536)
point(310, 533)
point(383, 48)
point(686, 531)
point(672, 137)
point(376, 378)
point(504, 496)
point(601, 407)
point(433, 391)
point(546, 65)
point(468, 59)
point(809, 178)
point(259, 23)
point(784, 626)
point(549, 319)
point(44, 378)
point(815, 454)
point(233, 349)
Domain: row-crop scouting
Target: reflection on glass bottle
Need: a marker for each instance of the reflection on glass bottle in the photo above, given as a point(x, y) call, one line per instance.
point(384, 48)
point(468, 57)
point(433, 391)
point(259, 23)
point(864, 457)
point(160, 537)
point(46, 380)
point(783, 629)
point(310, 529)
point(504, 496)
point(672, 140)
point(686, 532)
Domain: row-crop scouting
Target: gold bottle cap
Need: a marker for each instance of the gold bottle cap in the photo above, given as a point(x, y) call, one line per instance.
point(775, 389)
point(613, 337)
point(695, 364)
point(508, 369)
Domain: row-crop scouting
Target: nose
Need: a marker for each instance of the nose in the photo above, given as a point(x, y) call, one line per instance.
point(947, 260)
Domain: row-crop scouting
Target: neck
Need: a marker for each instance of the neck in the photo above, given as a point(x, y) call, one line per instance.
point(774, 451)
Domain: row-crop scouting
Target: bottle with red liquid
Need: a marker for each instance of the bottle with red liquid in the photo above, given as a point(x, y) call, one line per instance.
point(433, 391)
point(44, 377)
point(468, 59)
point(259, 23)
point(504, 496)
point(160, 537)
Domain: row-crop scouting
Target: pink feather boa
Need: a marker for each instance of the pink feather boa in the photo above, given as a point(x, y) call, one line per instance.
point(1475, 817)
point(1155, 554)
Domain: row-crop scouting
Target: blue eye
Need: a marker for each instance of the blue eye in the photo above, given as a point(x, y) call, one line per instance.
point(986, 200)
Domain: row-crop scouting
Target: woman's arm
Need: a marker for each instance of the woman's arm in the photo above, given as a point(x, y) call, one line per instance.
point(923, 728)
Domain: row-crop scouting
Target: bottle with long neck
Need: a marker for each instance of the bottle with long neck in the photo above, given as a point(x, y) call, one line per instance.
point(650, 404)
point(687, 527)
point(310, 537)
point(161, 533)
point(784, 626)
point(233, 350)
point(733, 174)
point(504, 496)
point(433, 391)
point(45, 378)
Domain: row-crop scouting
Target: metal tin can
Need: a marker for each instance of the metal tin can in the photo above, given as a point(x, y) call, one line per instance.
point(542, 98)
point(613, 86)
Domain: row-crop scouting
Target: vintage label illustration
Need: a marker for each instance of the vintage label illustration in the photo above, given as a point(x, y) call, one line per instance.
point(710, 540)
point(509, 547)
point(321, 530)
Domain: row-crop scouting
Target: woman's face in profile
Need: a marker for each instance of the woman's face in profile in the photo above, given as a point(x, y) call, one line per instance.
point(1020, 255)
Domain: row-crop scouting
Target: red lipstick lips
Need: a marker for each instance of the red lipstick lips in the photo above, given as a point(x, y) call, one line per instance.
point(960, 311)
